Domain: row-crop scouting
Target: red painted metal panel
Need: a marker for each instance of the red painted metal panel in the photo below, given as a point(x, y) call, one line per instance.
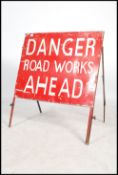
point(60, 67)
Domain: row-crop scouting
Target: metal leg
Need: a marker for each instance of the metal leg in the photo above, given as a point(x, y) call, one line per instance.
point(12, 110)
point(103, 80)
point(89, 125)
point(39, 106)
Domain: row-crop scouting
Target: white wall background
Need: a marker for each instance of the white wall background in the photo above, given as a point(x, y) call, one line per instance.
point(19, 18)
point(53, 141)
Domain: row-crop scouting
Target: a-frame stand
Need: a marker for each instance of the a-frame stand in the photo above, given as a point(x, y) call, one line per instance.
point(90, 118)
point(12, 109)
point(39, 106)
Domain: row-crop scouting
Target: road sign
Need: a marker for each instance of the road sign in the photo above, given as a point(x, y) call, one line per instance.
point(60, 67)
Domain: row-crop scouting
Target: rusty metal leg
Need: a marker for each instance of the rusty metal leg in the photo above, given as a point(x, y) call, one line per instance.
point(103, 80)
point(39, 106)
point(12, 110)
point(89, 125)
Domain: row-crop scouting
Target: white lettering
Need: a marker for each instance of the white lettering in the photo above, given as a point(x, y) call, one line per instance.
point(52, 86)
point(79, 47)
point(41, 85)
point(66, 89)
point(28, 50)
point(29, 84)
point(90, 45)
point(42, 47)
point(53, 45)
point(75, 87)
point(65, 46)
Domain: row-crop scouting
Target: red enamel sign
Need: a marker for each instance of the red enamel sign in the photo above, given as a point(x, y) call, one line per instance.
point(60, 67)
